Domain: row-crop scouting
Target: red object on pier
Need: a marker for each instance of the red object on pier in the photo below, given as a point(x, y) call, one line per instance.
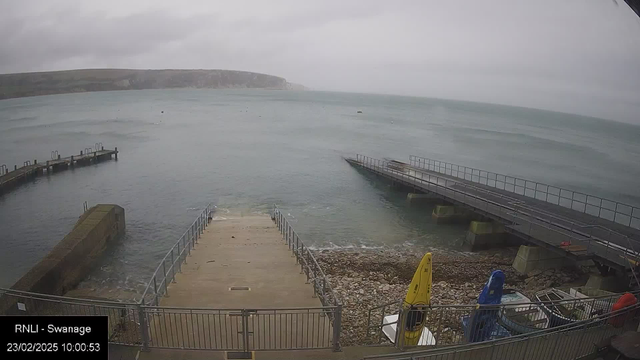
point(625, 300)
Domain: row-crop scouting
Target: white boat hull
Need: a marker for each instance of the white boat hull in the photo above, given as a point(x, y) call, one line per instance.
point(389, 329)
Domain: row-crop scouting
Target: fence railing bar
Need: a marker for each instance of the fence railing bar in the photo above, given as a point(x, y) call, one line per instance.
point(517, 183)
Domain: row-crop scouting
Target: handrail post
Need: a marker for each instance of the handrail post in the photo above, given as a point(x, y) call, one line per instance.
point(164, 272)
point(194, 241)
point(144, 329)
point(185, 245)
point(173, 268)
point(155, 289)
point(324, 287)
point(337, 327)
point(399, 340)
point(302, 257)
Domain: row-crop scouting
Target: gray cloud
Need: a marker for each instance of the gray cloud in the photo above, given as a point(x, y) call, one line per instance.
point(577, 56)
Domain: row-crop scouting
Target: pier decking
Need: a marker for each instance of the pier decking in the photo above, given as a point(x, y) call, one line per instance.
point(244, 253)
point(241, 289)
point(10, 179)
point(593, 229)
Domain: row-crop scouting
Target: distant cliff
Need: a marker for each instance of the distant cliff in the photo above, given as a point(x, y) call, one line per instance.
point(59, 82)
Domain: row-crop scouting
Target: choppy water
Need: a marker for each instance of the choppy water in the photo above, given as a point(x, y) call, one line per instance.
point(248, 149)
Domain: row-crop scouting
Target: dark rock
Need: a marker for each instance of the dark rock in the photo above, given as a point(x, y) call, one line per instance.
point(368, 278)
point(535, 272)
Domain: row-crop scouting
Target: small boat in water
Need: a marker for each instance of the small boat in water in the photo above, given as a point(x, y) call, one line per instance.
point(520, 316)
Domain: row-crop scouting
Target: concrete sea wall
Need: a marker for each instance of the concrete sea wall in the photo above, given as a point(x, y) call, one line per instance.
point(68, 263)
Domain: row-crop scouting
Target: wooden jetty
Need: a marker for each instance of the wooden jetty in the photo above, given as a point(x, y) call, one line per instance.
point(29, 170)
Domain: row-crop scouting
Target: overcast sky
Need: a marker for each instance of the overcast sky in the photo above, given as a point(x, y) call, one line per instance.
point(578, 56)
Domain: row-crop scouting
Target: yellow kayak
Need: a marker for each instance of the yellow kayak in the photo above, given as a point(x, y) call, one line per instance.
point(417, 299)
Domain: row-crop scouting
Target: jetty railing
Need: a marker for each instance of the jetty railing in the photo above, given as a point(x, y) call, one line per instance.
point(611, 210)
point(570, 341)
point(459, 324)
point(148, 325)
point(603, 243)
point(158, 285)
point(242, 330)
point(313, 272)
point(124, 318)
point(308, 263)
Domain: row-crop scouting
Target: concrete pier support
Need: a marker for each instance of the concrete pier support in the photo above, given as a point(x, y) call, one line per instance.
point(484, 235)
point(422, 199)
point(609, 283)
point(532, 257)
point(448, 214)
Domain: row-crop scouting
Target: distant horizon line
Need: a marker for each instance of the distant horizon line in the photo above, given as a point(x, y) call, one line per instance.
point(476, 102)
point(325, 90)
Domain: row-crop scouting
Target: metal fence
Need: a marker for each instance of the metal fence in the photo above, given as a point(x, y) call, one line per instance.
point(128, 322)
point(124, 318)
point(618, 212)
point(570, 341)
point(149, 325)
point(449, 325)
point(241, 330)
point(611, 246)
point(158, 285)
point(313, 272)
point(308, 263)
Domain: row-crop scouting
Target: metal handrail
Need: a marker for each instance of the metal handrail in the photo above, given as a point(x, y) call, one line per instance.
point(237, 309)
point(314, 273)
point(586, 307)
point(509, 213)
point(584, 324)
point(482, 306)
point(492, 179)
point(300, 250)
point(177, 256)
point(60, 299)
